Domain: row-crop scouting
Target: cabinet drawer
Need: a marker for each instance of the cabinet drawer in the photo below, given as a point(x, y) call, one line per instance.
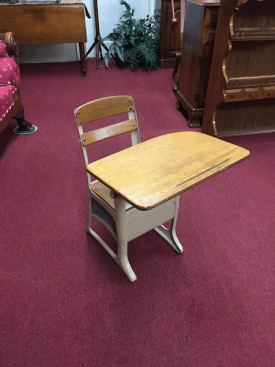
point(252, 93)
point(268, 92)
point(242, 94)
point(246, 94)
point(233, 95)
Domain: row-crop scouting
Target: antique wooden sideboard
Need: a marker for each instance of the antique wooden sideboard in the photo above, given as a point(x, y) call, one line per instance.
point(241, 92)
point(227, 72)
point(46, 23)
point(200, 24)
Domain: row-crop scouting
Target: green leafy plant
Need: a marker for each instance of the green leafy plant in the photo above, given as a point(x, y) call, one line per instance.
point(134, 41)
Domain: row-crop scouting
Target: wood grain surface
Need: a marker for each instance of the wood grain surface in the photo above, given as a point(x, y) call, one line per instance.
point(104, 107)
point(159, 169)
point(197, 49)
point(45, 24)
point(91, 137)
point(242, 70)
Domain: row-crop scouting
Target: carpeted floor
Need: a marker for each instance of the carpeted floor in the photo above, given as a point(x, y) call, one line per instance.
point(63, 300)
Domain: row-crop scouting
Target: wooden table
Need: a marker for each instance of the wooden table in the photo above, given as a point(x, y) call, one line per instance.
point(159, 169)
point(46, 23)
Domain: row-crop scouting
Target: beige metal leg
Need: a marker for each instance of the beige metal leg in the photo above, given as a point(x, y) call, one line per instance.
point(95, 235)
point(122, 242)
point(121, 258)
point(122, 231)
point(170, 234)
point(89, 228)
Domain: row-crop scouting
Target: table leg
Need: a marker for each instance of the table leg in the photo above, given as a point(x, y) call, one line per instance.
point(83, 58)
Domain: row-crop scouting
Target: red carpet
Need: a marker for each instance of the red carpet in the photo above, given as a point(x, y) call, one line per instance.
point(64, 301)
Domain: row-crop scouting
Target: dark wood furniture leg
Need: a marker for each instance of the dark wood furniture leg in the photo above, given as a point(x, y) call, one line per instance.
point(83, 58)
point(176, 73)
point(23, 124)
point(192, 115)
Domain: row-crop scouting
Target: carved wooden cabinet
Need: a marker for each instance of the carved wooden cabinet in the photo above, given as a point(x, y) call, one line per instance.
point(241, 93)
point(200, 24)
point(170, 42)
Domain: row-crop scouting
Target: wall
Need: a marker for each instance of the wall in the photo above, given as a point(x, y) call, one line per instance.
point(109, 12)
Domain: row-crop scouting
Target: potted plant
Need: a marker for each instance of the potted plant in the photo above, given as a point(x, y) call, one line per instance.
point(134, 41)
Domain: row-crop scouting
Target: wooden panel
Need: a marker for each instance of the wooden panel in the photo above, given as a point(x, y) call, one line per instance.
point(103, 192)
point(239, 118)
point(211, 17)
point(250, 59)
point(169, 37)
point(45, 24)
point(243, 94)
point(242, 71)
point(255, 21)
point(157, 170)
point(108, 132)
point(209, 35)
point(104, 107)
point(268, 92)
point(191, 50)
point(197, 49)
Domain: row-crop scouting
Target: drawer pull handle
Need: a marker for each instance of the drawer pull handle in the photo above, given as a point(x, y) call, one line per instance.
point(252, 95)
point(232, 95)
point(270, 93)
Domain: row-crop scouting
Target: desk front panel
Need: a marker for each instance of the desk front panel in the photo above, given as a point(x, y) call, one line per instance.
point(44, 24)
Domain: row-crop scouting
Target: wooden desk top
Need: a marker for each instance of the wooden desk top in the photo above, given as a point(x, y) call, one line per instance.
point(159, 169)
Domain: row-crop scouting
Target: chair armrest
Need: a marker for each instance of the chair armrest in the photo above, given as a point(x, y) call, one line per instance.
point(11, 45)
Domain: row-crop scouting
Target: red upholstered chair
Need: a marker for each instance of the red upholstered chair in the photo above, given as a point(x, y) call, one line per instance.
point(10, 102)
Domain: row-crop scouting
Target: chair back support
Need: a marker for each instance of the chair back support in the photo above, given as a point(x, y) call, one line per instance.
point(102, 108)
point(91, 137)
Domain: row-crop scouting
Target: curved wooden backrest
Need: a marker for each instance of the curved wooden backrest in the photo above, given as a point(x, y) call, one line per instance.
point(99, 109)
point(104, 107)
